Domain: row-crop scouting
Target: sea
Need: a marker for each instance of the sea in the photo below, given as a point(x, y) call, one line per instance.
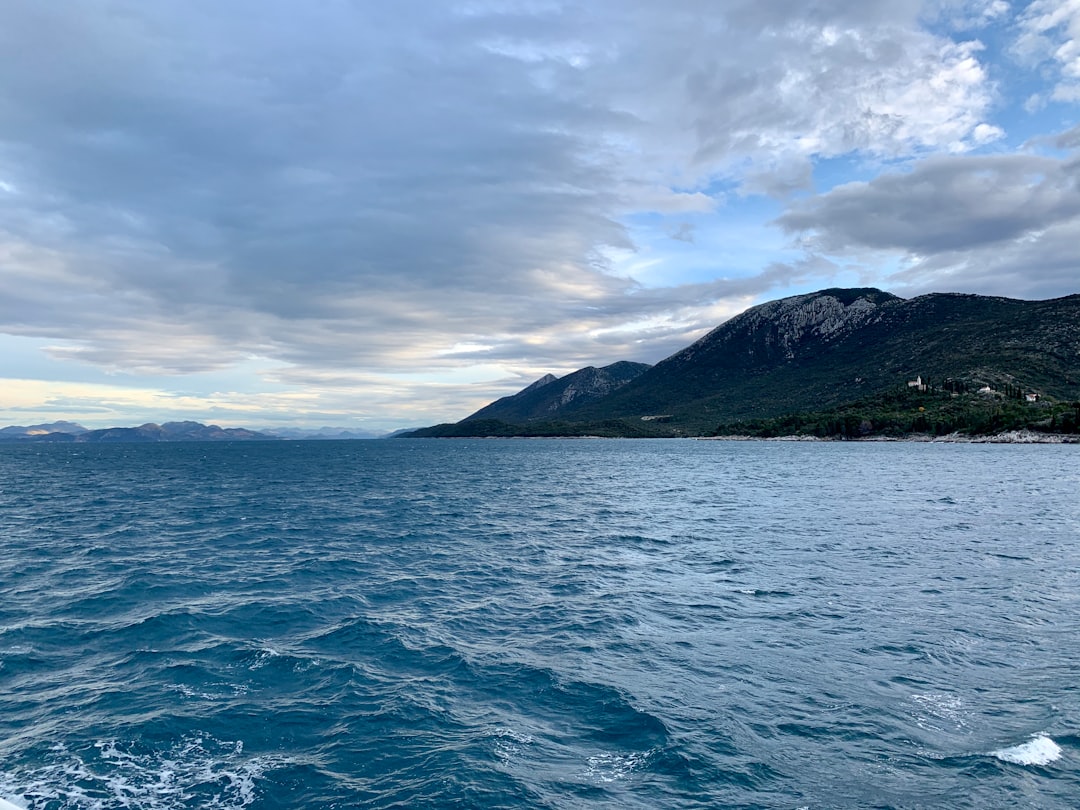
point(539, 624)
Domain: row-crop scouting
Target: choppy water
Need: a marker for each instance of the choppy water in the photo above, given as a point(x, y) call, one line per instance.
point(549, 624)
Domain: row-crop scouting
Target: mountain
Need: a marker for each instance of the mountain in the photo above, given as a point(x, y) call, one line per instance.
point(824, 350)
point(321, 433)
point(550, 396)
point(21, 431)
point(399, 432)
point(168, 432)
point(821, 350)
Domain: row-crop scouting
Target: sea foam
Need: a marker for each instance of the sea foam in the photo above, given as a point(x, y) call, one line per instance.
point(213, 773)
point(1039, 750)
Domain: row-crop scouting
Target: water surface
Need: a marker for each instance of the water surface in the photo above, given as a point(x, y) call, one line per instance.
point(539, 623)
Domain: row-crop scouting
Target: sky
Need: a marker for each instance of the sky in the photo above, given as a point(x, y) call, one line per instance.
point(380, 215)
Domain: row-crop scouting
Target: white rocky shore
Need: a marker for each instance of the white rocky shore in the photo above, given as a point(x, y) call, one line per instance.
point(1013, 437)
point(1008, 437)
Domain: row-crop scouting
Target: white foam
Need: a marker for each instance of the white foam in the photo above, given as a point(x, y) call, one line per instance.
point(611, 767)
point(264, 657)
point(1039, 750)
point(227, 691)
point(215, 773)
point(937, 709)
point(510, 744)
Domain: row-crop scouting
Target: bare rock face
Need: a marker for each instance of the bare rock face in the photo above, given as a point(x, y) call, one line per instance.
point(547, 378)
point(786, 324)
point(785, 329)
point(591, 383)
point(551, 396)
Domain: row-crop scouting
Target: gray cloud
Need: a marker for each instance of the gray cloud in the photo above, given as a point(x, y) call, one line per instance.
point(683, 233)
point(1044, 266)
point(943, 203)
point(333, 185)
point(1068, 140)
point(782, 179)
point(1001, 224)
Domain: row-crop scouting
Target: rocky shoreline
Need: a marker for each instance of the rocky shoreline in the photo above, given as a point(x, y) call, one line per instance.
point(1008, 437)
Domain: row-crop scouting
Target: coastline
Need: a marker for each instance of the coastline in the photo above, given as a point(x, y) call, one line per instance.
point(1007, 437)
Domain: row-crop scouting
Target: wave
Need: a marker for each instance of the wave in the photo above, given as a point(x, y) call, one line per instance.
point(609, 766)
point(1039, 750)
point(535, 625)
point(115, 774)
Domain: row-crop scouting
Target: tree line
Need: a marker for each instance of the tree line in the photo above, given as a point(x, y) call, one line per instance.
point(939, 411)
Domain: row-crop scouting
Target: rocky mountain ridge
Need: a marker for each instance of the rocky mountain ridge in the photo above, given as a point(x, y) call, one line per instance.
point(149, 432)
point(552, 395)
point(787, 326)
point(823, 350)
point(24, 431)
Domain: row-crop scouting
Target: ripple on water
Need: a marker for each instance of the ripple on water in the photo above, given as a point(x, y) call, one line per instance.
point(539, 624)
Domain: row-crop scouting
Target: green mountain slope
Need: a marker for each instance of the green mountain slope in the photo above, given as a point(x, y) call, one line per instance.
point(819, 352)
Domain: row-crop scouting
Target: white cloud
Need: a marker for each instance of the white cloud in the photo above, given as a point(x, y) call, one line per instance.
point(1050, 32)
point(964, 15)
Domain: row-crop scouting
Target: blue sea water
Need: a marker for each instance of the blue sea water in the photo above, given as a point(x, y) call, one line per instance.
point(539, 624)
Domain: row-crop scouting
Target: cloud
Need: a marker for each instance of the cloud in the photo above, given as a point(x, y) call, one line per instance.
point(185, 186)
point(997, 223)
point(784, 177)
point(943, 203)
point(1039, 266)
point(1050, 33)
point(684, 233)
point(1068, 140)
point(964, 15)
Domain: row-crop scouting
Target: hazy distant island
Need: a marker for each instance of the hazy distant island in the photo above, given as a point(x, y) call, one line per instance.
point(168, 432)
point(834, 364)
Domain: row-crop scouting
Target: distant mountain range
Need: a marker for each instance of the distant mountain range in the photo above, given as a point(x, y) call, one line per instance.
point(37, 431)
point(168, 432)
point(328, 433)
point(813, 353)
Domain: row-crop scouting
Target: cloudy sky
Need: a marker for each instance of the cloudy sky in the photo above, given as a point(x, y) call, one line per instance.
point(376, 214)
